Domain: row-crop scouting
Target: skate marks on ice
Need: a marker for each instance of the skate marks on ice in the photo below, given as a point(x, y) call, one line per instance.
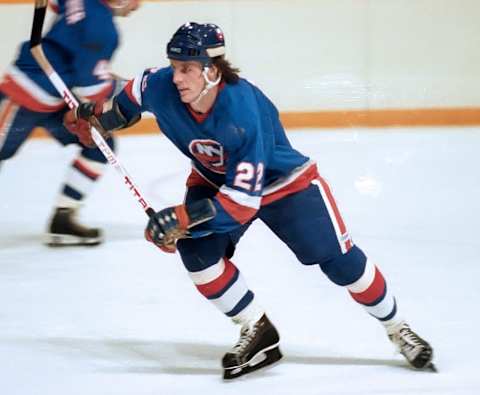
point(14, 241)
point(164, 357)
point(126, 356)
point(17, 242)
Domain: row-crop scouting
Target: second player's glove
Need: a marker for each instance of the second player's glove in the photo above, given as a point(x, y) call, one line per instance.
point(172, 223)
point(77, 121)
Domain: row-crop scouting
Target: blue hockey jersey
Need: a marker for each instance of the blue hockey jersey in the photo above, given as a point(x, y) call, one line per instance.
point(239, 147)
point(79, 45)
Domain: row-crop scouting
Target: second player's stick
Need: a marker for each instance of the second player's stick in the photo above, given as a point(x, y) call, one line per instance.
point(72, 102)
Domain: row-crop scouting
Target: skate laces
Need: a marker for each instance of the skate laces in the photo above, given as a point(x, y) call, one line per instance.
point(246, 335)
point(409, 337)
point(416, 350)
point(408, 342)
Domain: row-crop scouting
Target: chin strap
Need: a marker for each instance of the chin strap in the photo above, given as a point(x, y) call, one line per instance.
point(208, 84)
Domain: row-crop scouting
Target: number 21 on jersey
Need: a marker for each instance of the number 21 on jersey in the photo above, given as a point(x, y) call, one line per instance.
point(249, 176)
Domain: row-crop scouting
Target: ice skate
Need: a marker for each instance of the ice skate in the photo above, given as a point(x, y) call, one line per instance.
point(416, 350)
point(64, 230)
point(256, 348)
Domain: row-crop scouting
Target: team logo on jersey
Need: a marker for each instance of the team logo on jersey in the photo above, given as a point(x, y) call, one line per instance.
point(210, 154)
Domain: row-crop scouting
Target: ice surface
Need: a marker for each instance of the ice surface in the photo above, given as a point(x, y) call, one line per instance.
point(124, 318)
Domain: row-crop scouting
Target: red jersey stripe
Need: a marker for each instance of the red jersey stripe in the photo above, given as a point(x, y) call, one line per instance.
point(241, 214)
point(129, 91)
point(101, 95)
point(300, 183)
point(195, 179)
point(23, 98)
point(336, 211)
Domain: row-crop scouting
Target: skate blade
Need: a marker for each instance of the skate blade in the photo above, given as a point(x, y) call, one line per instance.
point(62, 240)
point(261, 360)
point(429, 365)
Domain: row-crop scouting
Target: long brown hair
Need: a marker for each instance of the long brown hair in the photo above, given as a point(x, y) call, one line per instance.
point(230, 74)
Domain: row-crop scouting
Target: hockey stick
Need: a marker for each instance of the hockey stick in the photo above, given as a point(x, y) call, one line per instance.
point(72, 102)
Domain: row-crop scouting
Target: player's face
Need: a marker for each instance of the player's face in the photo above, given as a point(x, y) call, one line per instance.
point(188, 78)
point(123, 7)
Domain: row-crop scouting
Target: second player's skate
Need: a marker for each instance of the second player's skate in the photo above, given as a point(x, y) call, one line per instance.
point(64, 230)
point(416, 350)
point(257, 347)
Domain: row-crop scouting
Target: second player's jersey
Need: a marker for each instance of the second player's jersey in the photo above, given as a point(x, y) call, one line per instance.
point(239, 147)
point(79, 45)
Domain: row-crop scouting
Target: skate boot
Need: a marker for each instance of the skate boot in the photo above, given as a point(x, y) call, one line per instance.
point(64, 230)
point(416, 350)
point(256, 348)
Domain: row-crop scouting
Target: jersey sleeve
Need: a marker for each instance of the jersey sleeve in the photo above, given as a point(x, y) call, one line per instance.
point(131, 99)
point(239, 198)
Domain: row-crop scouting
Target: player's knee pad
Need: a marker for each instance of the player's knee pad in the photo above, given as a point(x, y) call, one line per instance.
point(95, 154)
point(199, 254)
point(346, 268)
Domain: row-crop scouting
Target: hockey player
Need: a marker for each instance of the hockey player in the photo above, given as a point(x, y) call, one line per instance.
point(244, 168)
point(79, 45)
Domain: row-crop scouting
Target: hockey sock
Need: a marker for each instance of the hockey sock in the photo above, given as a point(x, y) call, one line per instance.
point(223, 284)
point(371, 291)
point(79, 181)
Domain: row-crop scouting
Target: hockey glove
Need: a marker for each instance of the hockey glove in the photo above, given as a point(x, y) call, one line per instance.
point(80, 126)
point(172, 223)
point(105, 119)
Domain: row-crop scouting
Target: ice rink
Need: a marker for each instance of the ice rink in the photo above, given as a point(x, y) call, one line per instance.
point(124, 318)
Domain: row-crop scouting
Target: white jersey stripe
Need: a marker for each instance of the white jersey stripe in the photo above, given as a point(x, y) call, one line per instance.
point(282, 182)
point(136, 89)
point(31, 87)
point(241, 198)
point(92, 90)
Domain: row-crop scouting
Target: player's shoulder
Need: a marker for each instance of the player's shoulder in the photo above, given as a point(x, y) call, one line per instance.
point(144, 87)
point(244, 97)
point(242, 103)
point(235, 114)
point(155, 78)
point(159, 73)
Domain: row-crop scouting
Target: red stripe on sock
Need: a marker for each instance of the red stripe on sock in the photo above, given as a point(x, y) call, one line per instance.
point(85, 170)
point(373, 292)
point(215, 286)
